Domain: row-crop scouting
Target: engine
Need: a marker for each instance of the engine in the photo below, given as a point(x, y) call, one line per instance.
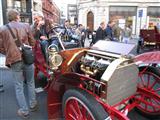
point(119, 73)
point(95, 63)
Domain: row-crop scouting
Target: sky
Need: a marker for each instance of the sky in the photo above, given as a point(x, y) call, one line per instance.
point(62, 4)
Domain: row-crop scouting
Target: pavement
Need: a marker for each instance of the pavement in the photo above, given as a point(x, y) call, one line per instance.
point(2, 61)
point(8, 104)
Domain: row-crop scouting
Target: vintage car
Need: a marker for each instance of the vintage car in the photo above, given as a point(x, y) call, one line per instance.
point(103, 82)
point(149, 40)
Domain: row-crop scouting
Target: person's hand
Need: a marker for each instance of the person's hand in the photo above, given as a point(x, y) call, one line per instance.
point(40, 23)
point(43, 38)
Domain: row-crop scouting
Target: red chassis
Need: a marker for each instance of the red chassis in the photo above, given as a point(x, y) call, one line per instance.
point(79, 97)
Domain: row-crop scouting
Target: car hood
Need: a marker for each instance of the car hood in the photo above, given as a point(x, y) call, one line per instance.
point(113, 47)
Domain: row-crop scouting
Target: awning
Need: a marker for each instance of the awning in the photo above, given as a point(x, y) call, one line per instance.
point(123, 10)
point(153, 11)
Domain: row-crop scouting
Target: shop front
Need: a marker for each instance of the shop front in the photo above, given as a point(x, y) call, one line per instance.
point(124, 15)
point(153, 15)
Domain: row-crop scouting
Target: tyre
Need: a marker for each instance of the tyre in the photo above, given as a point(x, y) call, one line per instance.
point(79, 105)
point(41, 80)
point(140, 45)
point(138, 48)
point(149, 79)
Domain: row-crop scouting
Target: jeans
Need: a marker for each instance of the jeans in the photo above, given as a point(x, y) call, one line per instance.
point(44, 46)
point(126, 39)
point(21, 73)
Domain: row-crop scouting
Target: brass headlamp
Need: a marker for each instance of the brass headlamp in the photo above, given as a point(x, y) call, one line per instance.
point(55, 60)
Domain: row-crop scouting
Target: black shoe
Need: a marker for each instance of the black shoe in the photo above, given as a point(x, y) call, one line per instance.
point(1, 90)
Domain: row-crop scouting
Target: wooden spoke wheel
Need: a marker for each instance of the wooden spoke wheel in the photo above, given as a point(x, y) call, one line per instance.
point(149, 91)
point(79, 105)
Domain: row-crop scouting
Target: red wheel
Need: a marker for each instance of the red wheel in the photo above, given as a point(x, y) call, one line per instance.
point(149, 89)
point(79, 105)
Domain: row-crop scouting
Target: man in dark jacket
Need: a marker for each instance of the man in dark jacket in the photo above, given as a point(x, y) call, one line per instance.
point(100, 33)
point(109, 31)
point(14, 60)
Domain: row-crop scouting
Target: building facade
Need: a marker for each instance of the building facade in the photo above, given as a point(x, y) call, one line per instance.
point(36, 6)
point(51, 11)
point(138, 14)
point(23, 6)
point(28, 7)
point(72, 13)
point(1, 15)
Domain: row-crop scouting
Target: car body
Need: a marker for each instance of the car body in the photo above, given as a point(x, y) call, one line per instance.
point(101, 82)
point(149, 40)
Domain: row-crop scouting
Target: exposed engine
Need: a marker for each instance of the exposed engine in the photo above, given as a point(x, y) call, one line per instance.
point(94, 65)
point(118, 73)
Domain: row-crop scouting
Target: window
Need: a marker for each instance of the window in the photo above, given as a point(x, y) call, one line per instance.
point(123, 10)
point(17, 5)
point(153, 11)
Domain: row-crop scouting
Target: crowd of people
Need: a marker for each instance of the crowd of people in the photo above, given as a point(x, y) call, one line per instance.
point(113, 32)
point(10, 46)
point(41, 30)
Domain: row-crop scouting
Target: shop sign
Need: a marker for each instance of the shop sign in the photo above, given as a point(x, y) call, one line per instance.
point(140, 13)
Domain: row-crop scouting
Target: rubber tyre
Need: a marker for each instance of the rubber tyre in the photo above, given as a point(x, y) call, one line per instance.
point(138, 48)
point(41, 80)
point(88, 100)
point(155, 71)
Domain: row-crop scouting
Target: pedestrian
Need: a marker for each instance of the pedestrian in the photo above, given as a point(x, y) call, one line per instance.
point(78, 32)
point(157, 28)
point(52, 38)
point(83, 35)
point(126, 34)
point(21, 71)
point(68, 32)
point(100, 33)
point(116, 32)
point(67, 24)
point(109, 31)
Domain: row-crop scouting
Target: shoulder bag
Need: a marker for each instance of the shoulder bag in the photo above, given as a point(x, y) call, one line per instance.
point(27, 52)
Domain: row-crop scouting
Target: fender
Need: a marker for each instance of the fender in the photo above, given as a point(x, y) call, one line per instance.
point(62, 84)
point(147, 58)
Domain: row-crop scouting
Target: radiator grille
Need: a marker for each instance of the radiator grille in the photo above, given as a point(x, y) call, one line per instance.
point(122, 84)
